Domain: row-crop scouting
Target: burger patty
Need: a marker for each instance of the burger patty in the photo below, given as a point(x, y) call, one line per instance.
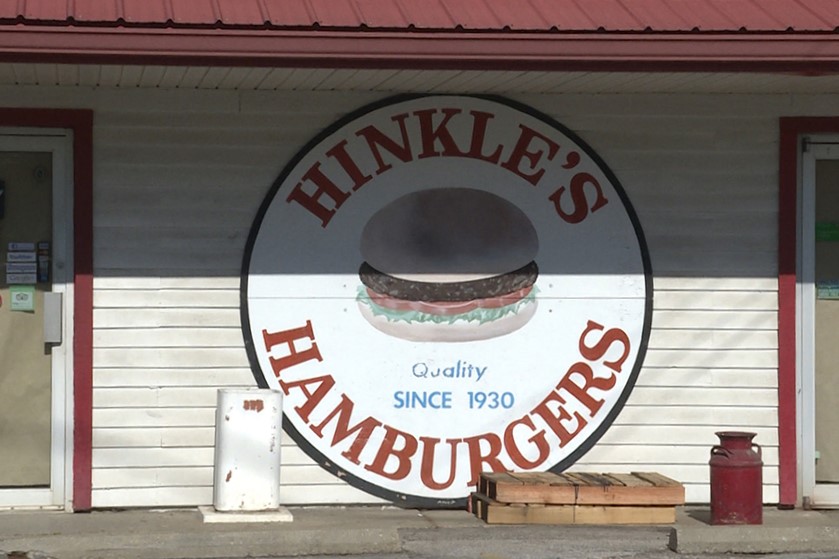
point(407, 290)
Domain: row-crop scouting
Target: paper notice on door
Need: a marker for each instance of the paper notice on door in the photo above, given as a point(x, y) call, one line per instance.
point(21, 257)
point(22, 298)
point(827, 289)
point(22, 268)
point(22, 273)
point(22, 279)
point(22, 264)
point(21, 247)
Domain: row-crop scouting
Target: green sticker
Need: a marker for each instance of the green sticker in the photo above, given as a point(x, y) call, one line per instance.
point(827, 231)
point(23, 297)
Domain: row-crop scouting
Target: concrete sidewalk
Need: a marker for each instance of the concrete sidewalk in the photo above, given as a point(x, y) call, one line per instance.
point(791, 531)
point(181, 534)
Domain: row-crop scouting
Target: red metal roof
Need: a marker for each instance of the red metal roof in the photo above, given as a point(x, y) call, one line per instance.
point(670, 16)
point(800, 36)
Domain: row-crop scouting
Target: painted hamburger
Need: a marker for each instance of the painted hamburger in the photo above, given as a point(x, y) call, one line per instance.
point(448, 265)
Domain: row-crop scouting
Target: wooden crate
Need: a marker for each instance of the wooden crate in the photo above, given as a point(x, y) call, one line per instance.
point(493, 512)
point(582, 488)
point(577, 498)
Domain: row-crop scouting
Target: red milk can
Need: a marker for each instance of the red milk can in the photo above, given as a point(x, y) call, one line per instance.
point(736, 479)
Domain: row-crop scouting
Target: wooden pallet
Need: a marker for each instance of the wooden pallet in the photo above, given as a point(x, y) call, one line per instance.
point(637, 488)
point(577, 498)
point(493, 512)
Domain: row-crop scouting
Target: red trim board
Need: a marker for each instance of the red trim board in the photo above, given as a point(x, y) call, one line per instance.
point(81, 123)
point(770, 52)
point(791, 131)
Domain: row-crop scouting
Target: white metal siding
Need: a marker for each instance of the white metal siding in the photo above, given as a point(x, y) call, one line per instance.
point(179, 176)
point(178, 185)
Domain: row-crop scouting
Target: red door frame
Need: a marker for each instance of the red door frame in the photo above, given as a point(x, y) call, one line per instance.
point(80, 121)
point(792, 130)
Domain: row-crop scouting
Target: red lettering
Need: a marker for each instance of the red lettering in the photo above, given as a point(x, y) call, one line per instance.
point(602, 346)
point(254, 405)
point(388, 449)
point(376, 138)
point(479, 130)
point(477, 458)
point(554, 420)
point(578, 197)
point(343, 430)
point(431, 135)
point(348, 164)
point(324, 385)
point(429, 446)
point(288, 337)
point(520, 152)
point(311, 201)
point(537, 439)
point(589, 382)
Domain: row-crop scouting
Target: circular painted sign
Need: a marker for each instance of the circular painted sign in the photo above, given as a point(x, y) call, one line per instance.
point(445, 285)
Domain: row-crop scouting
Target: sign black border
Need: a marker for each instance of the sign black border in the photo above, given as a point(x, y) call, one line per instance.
point(414, 501)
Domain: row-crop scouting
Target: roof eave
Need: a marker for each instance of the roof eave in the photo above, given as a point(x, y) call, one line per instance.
point(602, 51)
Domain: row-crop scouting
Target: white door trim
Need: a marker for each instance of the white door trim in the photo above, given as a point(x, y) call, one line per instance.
point(819, 495)
point(60, 144)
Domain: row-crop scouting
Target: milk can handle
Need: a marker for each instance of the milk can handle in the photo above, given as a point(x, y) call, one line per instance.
point(759, 450)
point(717, 449)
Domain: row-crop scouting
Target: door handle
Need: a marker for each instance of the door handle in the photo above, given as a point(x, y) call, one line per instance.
point(52, 317)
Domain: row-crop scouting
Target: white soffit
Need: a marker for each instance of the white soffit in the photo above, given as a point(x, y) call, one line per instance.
point(461, 81)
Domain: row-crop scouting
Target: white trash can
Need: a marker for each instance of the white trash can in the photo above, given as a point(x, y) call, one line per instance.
point(247, 454)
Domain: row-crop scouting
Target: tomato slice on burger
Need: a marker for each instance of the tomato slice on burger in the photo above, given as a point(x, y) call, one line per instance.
point(448, 308)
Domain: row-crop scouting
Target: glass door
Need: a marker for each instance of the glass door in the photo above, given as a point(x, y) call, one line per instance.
point(819, 323)
point(33, 376)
